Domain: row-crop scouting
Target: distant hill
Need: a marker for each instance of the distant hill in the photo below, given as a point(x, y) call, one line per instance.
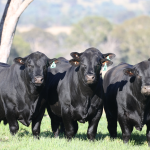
point(66, 12)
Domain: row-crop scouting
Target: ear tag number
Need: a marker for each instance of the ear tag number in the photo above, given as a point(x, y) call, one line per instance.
point(53, 65)
point(105, 66)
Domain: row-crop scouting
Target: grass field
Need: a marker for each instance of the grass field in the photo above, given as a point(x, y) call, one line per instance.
point(24, 140)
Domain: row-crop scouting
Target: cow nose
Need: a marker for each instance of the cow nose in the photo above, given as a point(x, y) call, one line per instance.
point(145, 90)
point(38, 79)
point(90, 77)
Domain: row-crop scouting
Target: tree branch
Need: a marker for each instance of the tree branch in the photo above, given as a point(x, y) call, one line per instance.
point(3, 18)
point(23, 6)
point(10, 20)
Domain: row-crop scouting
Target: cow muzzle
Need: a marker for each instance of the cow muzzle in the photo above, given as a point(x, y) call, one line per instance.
point(38, 79)
point(90, 78)
point(145, 90)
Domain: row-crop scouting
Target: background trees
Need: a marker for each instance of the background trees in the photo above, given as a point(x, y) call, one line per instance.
point(129, 40)
point(91, 31)
point(133, 38)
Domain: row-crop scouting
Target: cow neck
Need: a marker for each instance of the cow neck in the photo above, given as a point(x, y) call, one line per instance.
point(139, 97)
point(136, 90)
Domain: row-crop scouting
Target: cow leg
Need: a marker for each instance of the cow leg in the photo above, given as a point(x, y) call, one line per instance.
point(62, 128)
point(93, 123)
point(36, 123)
point(126, 130)
point(75, 124)
point(71, 126)
point(148, 134)
point(55, 127)
point(13, 123)
point(55, 123)
point(112, 125)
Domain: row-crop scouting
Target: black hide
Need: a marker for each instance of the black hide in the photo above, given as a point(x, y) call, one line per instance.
point(75, 93)
point(124, 99)
point(19, 90)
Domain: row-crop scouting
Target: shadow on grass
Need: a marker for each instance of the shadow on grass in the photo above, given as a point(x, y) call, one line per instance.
point(23, 132)
point(137, 139)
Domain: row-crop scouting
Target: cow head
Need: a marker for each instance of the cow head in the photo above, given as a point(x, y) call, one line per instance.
point(90, 62)
point(142, 73)
point(35, 66)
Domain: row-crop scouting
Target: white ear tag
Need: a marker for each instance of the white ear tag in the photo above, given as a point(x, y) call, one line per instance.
point(53, 65)
point(105, 66)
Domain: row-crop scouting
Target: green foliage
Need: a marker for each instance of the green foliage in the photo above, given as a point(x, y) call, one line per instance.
point(24, 140)
point(19, 48)
point(42, 41)
point(90, 31)
point(129, 40)
point(133, 37)
point(38, 34)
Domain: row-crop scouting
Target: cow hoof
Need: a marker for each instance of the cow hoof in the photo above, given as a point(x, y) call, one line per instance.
point(36, 137)
point(91, 140)
point(125, 142)
point(113, 137)
point(69, 139)
point(56, 136)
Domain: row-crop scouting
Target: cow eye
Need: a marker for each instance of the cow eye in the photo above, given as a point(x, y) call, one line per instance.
point(84, 65)
point(30, 66)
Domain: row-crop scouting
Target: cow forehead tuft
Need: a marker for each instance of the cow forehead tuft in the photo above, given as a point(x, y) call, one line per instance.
point(37, 55)
point(92, 51)
point(38, 58)
point(143, 67)
point(92, 54)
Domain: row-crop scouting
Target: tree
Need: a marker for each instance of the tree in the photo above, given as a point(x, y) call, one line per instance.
point(19, 48)
point(42, 41)
point(90, 32)
point(12, 12)
point(133, 38)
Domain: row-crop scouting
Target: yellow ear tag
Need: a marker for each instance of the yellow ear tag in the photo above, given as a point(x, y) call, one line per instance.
point(105, 66)
point(53, 65)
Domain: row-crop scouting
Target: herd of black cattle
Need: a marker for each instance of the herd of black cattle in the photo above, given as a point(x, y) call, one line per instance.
point(74, 91)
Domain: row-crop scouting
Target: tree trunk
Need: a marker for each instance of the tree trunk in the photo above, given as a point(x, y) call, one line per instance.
point(12, 12)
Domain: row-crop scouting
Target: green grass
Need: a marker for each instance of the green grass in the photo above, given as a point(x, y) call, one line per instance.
point(24, 140)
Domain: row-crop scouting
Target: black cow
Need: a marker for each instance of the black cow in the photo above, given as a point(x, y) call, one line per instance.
point(76, 93)
point(127, 98)
point(49, 93)
point(20, 86)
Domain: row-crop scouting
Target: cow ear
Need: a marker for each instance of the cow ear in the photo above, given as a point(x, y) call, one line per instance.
point(109, 56)
point(52, 61)
point(19, 60)
point(74, 62)
point(76, 55)
point(106, 62)
point(130, 72)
